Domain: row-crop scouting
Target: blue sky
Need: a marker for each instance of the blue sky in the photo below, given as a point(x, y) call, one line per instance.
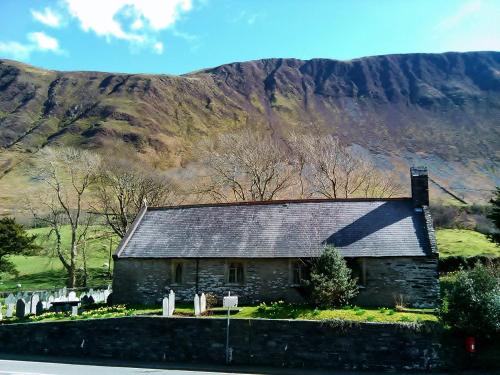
point(179, 36)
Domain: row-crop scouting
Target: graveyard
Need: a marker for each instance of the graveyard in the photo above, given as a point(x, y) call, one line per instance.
point(93, 304)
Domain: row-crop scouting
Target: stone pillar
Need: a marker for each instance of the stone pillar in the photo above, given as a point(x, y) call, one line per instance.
point(419, 186)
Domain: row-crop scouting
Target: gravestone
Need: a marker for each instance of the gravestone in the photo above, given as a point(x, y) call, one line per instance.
point(50, 299)
point(35, 298)
point(10, 299)
point(196, 305)
point(171, 303)
point(109, 300)
point(10, 302)
point(165, 309)
point(203, 303)
point(84, 300)
point(72, 296)
point(74, 310)
point(27, 306)
point(39, 308)
point(10, 311)
point(20, 308)
point(1, 316)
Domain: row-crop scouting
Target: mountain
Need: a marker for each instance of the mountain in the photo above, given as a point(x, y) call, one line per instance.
point(442, 110)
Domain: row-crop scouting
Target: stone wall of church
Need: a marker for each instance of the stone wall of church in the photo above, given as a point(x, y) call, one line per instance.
point(146, 281)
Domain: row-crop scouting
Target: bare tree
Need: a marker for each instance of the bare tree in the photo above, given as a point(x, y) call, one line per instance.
point(122, 189)
point(334, 171)
point(67, 174)
point(246, 166)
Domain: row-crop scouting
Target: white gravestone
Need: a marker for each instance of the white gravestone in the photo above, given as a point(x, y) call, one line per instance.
point(1, 316)
point(171, 303)
point(35, 298)
point(10, 301)
point(165, 309)
point(203, 303)
point(49, 301)
point(72, 296)
point(74, 310)
point(27, 306)
point(10, 311)
point(196, 305)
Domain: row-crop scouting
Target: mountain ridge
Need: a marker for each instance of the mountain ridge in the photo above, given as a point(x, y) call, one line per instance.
point(437, 109)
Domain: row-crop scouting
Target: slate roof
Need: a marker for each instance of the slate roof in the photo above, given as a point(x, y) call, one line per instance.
point(358, 228)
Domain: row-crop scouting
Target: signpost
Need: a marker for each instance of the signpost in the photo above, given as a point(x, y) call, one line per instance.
point(228, 302)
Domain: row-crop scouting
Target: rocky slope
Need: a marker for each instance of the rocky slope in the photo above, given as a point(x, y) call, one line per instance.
point(442, 110)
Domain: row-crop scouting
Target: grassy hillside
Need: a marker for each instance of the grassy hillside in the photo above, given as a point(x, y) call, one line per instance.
point(46, 271)
point(404, 110)
point(465, 243)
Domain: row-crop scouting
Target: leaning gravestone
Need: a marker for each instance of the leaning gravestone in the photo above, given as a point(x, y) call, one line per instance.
point(20, 308)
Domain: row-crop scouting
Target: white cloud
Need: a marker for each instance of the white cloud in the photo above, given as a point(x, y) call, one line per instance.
point(43, 42)
point(38, 42)
point(135, 21)
point(15, 50)
point(158, 47)
point(465, 11)
point(248, 18)
point(47, 17)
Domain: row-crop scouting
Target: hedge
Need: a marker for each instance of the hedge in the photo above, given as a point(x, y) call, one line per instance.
point(454, 263)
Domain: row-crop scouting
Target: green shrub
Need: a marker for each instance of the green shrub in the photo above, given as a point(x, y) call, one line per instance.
point(457, 262)
point(472, 302)
point(331, 283)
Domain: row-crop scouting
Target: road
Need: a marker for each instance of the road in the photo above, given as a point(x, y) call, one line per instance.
point(9, 367)
point(31, 366)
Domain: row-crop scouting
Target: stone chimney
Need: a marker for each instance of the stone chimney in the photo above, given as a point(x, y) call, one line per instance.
point(419, 186)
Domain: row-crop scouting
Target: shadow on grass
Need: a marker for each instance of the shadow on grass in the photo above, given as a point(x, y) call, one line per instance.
point(53, 279)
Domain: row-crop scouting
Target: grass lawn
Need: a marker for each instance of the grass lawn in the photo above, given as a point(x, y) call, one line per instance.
point(45, 271)
point(272, 311)
point(464, 242)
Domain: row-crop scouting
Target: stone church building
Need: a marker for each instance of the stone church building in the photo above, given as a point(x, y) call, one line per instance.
point(259, 250)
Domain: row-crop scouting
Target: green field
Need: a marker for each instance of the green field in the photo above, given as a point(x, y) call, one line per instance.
point(464, 242)
point(45, 271)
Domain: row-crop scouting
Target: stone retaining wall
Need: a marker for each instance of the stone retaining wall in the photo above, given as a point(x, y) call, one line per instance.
point(283, 343)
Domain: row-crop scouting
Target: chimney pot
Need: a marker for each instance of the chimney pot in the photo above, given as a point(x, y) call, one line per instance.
point(419, 186)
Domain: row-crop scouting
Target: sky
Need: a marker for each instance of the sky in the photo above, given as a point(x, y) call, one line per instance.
point(180, 36)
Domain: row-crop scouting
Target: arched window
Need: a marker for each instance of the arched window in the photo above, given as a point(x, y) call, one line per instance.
point(235, 274)
point(178, 273)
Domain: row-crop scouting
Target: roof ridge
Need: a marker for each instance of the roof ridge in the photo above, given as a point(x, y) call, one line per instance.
point(277, 202)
